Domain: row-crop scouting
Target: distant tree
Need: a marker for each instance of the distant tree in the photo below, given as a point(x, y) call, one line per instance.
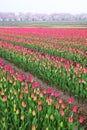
point(40, 17)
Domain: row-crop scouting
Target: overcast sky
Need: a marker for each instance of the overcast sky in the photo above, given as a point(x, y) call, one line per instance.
point(44, 6)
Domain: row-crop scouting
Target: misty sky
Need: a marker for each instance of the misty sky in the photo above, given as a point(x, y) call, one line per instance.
point(44, 6)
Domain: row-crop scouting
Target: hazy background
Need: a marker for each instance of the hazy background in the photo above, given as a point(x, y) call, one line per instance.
point(44, 6)
point(43, 13)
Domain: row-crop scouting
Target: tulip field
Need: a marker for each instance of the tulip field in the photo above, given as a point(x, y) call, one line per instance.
point(56, 56)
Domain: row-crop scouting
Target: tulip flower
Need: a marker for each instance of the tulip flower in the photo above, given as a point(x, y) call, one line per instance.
point(62, 112)
point(70, 119)
point(56, 94)
point(39, 102)
point(33, 127)
point(24, 104)
point(4, 98)
point(21, 96)
point(56, 105)
point(81, 119)
point(70, 100)
point(75, 109)
point(22, 117)
point(39, 108)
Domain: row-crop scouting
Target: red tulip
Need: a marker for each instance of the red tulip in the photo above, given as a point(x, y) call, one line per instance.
point(70, 119)
point(62, 112)
point(44, 91)
point(56, 94)
point(24, 104)
point(56, 105)
point(33, 127)
point(5, 98)
point(85, 70)
point(70, 100)
point(52, 93)
point(49, 90)
point(63, 105)
point(29, 78)
point(21, 96)
point(49, 101)
point(81, 119)
point(39, 102)
point(75, 109)
point(39, 108)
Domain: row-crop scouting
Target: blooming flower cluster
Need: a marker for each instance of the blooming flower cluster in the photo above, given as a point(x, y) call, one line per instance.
point(25, 105)
point(54, 65)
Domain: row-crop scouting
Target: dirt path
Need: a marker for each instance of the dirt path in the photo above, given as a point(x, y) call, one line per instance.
point(82, 106)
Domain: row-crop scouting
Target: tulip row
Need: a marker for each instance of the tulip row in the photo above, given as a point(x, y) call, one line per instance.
point(24, 105)
point(56, 49)
point(68, 52)
point(59, 72)
point(75, 36)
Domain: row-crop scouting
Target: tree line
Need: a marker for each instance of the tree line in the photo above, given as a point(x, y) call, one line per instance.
point(40, 17)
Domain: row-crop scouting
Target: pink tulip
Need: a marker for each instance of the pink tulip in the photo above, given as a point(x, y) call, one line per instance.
point(4, 98)
point(70, 100)
point(81, 119)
